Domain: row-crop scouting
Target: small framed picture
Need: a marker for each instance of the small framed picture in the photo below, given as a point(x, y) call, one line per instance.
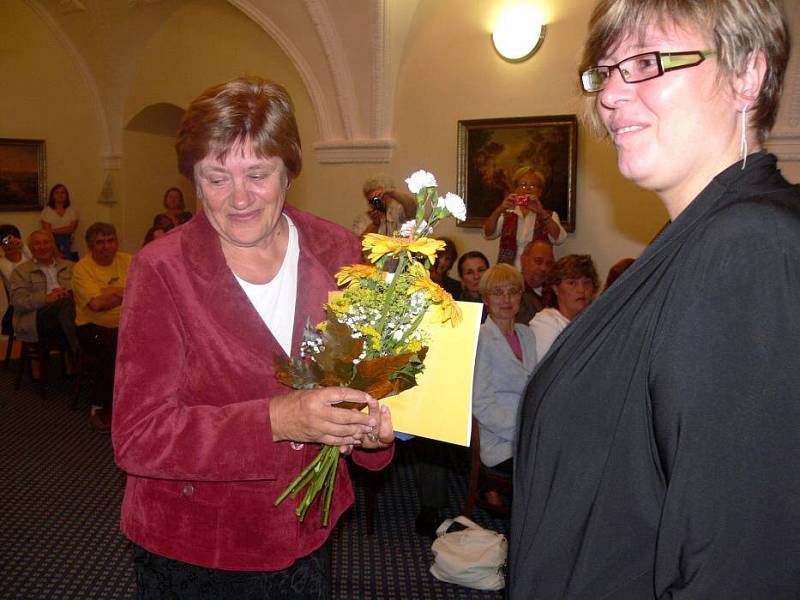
point(23, 177)
point(490, 151)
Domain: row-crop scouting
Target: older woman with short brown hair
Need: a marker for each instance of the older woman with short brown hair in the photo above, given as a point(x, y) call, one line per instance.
point(206, 434)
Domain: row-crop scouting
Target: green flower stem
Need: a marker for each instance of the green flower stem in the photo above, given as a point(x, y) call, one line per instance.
point(310, 476)
point(329, 484)
point(330, 459)
point(411, 330)
point(389, 297)
point(301, 479)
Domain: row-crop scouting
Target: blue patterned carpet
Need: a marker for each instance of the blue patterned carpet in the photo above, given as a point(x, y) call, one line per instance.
point(60, 494)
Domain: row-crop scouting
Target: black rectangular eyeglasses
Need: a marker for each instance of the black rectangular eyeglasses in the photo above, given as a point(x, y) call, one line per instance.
point(642, 67)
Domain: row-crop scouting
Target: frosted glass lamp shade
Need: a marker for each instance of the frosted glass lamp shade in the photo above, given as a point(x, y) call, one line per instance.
point(518, 34)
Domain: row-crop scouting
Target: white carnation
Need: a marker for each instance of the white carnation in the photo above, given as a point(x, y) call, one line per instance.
point(419, 180)
point(455, 205)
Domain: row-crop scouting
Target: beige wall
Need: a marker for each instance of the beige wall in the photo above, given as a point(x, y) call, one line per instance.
point(448, 71)
point(45, 97)
point(451, 72)
point(203, 43)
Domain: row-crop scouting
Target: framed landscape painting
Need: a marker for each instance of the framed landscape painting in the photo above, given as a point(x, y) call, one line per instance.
point(490, 151)
point(22, 174)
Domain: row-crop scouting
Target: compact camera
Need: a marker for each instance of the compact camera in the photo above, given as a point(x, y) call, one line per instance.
point(376, 202)
point(6, 241)
point(521, 199)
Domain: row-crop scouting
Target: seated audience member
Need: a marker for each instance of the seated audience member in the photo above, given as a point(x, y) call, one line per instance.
point(154, 233)
point(537, 260)
point(184, 217)
point(617, 269)
point(162, 221)
point(440, 269)
point(471, 267)
point(60, 219)
point(387, 208)
point(572, 285)
point(521, 218)
point(14, 253)
point(506, 357)
point(41, 295)
point(99, 282)
point(174, 205)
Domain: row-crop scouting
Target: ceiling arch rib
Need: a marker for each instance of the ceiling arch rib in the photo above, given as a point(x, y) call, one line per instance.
point(305, 70)
point(342, 76)
point(110, 155)
point(345, 135)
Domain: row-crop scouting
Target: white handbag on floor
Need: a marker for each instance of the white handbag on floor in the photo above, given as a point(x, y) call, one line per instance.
point(473, 557)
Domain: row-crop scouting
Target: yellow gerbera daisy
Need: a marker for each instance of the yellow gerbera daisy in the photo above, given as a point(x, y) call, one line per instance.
point(352, 274)
point(381, 245)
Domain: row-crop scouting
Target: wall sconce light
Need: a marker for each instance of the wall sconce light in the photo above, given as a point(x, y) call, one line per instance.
point(519, 33)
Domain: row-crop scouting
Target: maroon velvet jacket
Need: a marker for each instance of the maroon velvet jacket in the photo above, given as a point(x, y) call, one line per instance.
point(195, 373)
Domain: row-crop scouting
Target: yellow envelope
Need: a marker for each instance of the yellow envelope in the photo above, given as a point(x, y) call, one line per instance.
point(440, 406)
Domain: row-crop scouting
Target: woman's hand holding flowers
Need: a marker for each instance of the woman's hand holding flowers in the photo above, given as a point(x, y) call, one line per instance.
point(310, 416)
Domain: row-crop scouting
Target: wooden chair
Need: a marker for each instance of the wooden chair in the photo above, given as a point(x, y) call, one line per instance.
point(483, 479)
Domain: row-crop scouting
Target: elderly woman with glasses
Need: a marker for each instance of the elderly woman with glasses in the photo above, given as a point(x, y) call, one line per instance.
point(658, 443)
point(207, 435)
point(505, 359)
point(521, 218)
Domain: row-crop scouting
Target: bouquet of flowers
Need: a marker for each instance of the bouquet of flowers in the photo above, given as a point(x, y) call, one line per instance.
point(371, 339)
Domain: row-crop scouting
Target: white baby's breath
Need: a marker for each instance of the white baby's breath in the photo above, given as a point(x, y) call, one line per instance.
point(408, 228)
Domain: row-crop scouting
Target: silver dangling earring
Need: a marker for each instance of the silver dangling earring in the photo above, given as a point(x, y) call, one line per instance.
point(743, 142)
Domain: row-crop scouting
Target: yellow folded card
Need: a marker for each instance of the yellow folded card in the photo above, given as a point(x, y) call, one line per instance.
point(440, 406)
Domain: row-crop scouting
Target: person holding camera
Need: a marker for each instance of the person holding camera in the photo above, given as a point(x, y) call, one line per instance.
point(521, 218)
point(387, 208)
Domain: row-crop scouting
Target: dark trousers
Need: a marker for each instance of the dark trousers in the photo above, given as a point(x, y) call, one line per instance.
point(433, 461)
point(56, 321)
point(158, 577)
point(100, 343)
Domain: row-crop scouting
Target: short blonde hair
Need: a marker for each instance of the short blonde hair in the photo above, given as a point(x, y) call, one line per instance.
point(499, 275)
point(522, 171)
point(737, 29)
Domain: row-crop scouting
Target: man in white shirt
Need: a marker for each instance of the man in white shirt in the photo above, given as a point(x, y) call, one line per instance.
point(537, 260)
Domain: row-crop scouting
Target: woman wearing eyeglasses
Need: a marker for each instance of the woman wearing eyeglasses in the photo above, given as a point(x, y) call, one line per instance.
point(521, 218)
point(658, 447)
point(570, 287)
point(505, 359)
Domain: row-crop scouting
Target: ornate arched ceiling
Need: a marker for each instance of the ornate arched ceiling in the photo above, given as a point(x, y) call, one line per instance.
point(346, 52)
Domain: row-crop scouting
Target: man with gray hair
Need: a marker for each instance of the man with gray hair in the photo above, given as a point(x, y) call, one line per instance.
point(387, 208)
point(41, 294)
point(99, 282)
